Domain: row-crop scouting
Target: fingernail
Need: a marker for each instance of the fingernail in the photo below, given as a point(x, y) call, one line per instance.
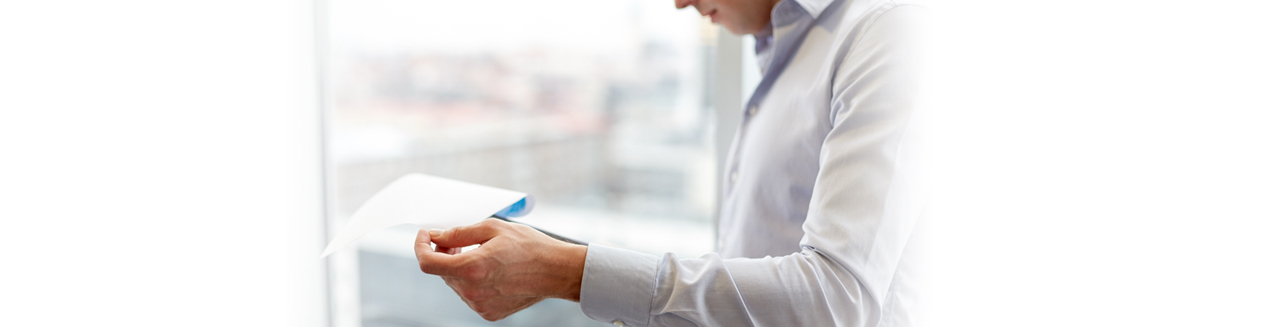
point(435, 233)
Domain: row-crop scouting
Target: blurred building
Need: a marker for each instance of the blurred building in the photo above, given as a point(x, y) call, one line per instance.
point(578, 135)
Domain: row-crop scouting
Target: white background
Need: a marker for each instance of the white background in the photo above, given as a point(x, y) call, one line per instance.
point(1102, 163)
point(160, 164)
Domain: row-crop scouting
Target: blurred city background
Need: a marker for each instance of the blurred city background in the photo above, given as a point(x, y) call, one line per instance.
point(599, 109)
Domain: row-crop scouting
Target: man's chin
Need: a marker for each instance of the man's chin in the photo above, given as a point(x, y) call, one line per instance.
point(741, 28)
point(735, 29)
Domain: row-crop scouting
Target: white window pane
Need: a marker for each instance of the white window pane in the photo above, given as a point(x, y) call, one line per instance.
point(599, 109)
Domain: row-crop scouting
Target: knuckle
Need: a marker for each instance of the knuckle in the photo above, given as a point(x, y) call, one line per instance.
point(523, 228)
point(431, 268)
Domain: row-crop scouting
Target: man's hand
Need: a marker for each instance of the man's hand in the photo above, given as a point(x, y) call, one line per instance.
point(515, 266)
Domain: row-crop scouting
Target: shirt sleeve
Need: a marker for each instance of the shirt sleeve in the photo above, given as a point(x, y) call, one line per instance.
point(863, 210)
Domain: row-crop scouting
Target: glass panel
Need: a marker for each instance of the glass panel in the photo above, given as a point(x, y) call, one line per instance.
point(598, 108)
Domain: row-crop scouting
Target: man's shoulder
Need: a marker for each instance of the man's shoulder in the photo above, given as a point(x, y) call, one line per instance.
point(846, 16)
point(849, 21)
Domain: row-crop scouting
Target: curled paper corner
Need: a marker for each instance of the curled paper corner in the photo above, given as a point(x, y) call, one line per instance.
point(519, 209)
point(429, 202)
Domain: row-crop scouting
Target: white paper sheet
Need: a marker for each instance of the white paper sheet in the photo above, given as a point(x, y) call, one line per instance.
point(429, 202)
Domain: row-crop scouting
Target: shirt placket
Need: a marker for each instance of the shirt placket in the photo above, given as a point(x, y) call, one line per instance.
point(786, 16)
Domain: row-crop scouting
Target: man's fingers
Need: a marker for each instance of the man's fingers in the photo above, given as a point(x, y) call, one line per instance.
point(441, 261)
point(441, 249)
point(469, 235)
point(443, 264)
point(422, 243)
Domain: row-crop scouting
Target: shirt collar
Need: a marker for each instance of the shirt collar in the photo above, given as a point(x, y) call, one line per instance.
point(813, 7)
point(788, 12)
point(763, 37)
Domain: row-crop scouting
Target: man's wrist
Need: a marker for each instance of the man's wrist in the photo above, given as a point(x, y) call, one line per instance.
point(571, 265)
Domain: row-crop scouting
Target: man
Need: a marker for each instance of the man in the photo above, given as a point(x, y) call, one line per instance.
point(819, 199)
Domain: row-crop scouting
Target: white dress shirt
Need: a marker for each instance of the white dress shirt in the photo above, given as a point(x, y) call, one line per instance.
point(820, 191)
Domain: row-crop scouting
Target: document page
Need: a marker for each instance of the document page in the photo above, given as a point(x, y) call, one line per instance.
point(429, 202)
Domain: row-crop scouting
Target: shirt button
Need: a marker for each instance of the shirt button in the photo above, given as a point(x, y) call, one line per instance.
point(618, 323)
point(734, 175)
point(752, 110)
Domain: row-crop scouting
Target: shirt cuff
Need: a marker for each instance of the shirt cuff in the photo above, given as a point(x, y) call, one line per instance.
point(617, 285)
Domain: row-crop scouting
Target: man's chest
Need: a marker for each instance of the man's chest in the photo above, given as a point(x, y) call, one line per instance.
point(784, 132)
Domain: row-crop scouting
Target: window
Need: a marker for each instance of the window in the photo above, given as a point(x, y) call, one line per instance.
point(601, 109)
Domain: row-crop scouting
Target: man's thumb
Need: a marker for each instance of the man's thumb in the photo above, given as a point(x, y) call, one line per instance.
point(462, 236)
